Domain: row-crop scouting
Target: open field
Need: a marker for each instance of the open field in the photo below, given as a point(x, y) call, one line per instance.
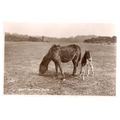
point(22, 61)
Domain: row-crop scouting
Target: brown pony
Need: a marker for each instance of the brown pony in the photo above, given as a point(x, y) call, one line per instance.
point(59, 54)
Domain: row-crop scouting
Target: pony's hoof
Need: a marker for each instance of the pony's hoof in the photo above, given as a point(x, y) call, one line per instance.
point(87, 75)
point(92, 74)
point(74, 75)
point(83, 79)
point(39, 74)
point(61, 81)
point(64, 79)
point(56, 77)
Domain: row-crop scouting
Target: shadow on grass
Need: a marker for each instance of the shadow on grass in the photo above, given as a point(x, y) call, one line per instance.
point(51, 74)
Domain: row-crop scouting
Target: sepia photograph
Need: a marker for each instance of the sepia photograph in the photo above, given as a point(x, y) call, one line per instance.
point(60, 59)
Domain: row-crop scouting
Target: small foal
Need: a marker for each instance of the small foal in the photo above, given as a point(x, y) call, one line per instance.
point(86, 62)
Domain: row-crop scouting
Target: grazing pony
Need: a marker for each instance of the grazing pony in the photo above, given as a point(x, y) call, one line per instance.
point(59, 54)
point(86, 62)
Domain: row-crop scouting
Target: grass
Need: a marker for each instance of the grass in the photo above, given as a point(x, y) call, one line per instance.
point(22, 61)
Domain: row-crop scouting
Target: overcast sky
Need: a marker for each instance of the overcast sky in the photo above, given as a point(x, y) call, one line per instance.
point(61, 29)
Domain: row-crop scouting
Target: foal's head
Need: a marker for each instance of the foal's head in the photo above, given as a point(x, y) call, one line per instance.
point(86, 57)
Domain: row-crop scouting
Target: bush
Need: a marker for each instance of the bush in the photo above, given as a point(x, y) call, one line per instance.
point(102, 39)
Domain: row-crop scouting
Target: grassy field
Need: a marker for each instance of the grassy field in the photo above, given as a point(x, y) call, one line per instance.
point(21, 75)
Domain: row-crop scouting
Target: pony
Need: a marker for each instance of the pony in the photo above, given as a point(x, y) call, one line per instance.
point(86, 62)
point(61, 54)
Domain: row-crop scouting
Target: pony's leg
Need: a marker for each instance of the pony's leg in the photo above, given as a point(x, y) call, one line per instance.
point(74, 69)
point(81, 69)
point(59, 64)
point(75, 66)
point(56, 68)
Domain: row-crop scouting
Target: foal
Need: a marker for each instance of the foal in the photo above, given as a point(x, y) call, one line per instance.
point(86, 62)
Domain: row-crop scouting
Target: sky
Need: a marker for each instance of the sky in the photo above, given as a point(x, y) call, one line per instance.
point(60, 29)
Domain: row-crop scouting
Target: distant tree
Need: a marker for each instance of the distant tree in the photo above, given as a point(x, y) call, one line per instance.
point(42, 38)
point(114, 38)
point(102, 39)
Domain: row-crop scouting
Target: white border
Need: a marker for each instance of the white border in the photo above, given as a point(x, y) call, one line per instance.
point(58, 107)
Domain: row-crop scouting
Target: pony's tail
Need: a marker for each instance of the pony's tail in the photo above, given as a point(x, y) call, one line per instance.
point(79, 58)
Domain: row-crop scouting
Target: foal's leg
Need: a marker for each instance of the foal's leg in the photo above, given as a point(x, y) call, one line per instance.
point(88, 64)
point(82, 72)
point(92, 68)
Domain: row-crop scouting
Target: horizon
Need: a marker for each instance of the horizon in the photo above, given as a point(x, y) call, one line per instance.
point(60, 30)
point(59, 37)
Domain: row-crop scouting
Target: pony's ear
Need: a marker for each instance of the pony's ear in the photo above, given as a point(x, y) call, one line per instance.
point(87, 50)
point(54, 45)
point(58, 45)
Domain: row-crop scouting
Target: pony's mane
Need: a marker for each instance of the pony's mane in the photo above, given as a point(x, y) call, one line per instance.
point(47, 57)
point(54, 48)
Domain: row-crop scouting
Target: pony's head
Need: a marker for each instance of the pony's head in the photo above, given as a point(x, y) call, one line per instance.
point(47, 58)
point(44, 65)
point(43, 68)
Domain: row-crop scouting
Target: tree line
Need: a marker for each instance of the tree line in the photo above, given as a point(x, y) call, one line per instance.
point(102, 39)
